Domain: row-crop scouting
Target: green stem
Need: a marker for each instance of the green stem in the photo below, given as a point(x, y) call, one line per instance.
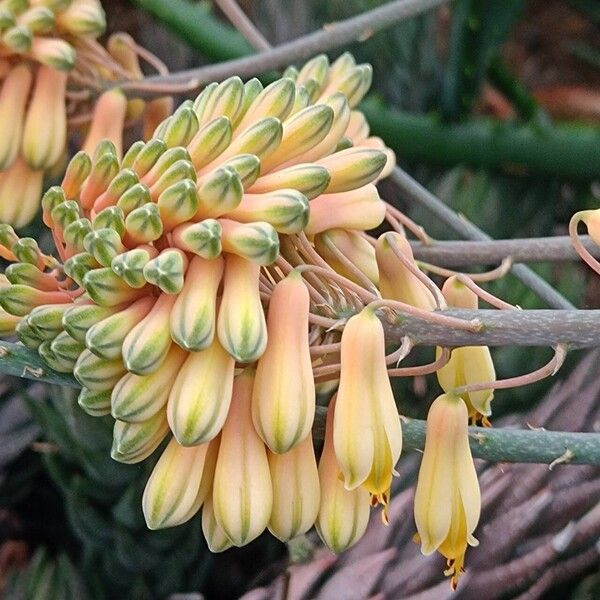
point(564, 150)
point(196, 25)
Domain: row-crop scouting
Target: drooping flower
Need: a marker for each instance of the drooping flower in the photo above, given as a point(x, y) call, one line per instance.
point(366, 433)
point(447, 498)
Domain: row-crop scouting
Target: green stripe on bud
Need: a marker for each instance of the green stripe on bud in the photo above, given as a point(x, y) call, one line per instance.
point(182, 126)
point(80, 317)
point(276, 100)
point(308, 179)
point(105, 338)
point(203, 238)
point(133, 442)
point(104, 169)
point(261, 138)
point(132, 154)
point(241, 325)
point(256, 241)
point(301, 132)
point(147, 344)
point(27, 251)
point(169, 158)
point(27, 336)
point(103, 244)
point(53, 361)
point(178, 203)
point(79, 265)
point(193, 317)
point(136, 196)
point(93, 402)
point(26, 274)
point(20, 300)
point(124, 180)
point(18, 38)
point(219, 192)
point(38, 19)
point(50, 200)
point(75, 233)
point(210, 141)
point(97, 373)
point(106, 288)
point(129, 266)
point(143, 224)
point(166, 270)
point(147, 156)
point(65, 213)
point(137, 398)
point(111, 217)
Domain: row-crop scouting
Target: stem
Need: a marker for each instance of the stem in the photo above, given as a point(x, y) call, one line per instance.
point(415, 192)
point(243, 24)
point(489, 142)
point(336, 35)
point(504, 445)
point(529, 250)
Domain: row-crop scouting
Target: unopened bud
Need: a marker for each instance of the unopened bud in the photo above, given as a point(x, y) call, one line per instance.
point(308, 179)
point(97, 373)
point(256, 241)
point(129, 266)
point(133, 442)
point(219, 192)
point(210, 141)
point(203, 238)
point(94, 403)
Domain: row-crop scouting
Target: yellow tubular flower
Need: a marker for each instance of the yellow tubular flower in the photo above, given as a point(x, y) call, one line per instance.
point(283, 399)
point(296, 494)
point(447, 498)
point(172, 489)
point(469, 364)
point(343, 514)
point(366, 433)
point(242, 492)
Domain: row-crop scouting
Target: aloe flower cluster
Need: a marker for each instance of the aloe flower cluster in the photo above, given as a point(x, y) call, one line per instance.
point(213, 282)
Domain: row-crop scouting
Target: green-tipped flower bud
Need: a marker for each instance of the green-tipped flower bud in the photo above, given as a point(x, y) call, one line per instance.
point(104, 170)
point(132, 154)
point(129, 266)
point(18, 38)
point(200, 397)
point(106, 288)
point(173, 486)
point(257, 241)
point(203, 238)
point(112, 218)
point(353, 168)
point(308, 179)
point(105, 338)
point(276, 100)
point(136, 196)
point(286, 210)
point(301, 132)
point(65, 213)
point(178, 171)
point(50, 200)
point(247, 166)
point(133, 442)
point(20, 300)
point(178, 203)
point(123, 181)
point(94, 403)
point(147, 156)
point(46, 320)
point(252, 88)
point(97, 373)
point(210, 141)
point(219, 192)
point(182, 127)
point(27, 336)
point(27, 274)
point(66, 348)
point(53, 361)
point(146, 345)
point(225, 101)
point(143, 224)
point(166, 270)
point(75, 233)
point(79, 265)
point(82, 18)
point(165, 162)
point(241, 325)
point(103, 244)
point(261, 138)
point(193, 317)
point(137, 398)
point(80, 317)
point(27, 251)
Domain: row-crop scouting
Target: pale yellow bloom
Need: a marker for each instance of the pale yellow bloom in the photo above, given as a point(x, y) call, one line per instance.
point(366, 434)
point(447, 498)
point(343, 514)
